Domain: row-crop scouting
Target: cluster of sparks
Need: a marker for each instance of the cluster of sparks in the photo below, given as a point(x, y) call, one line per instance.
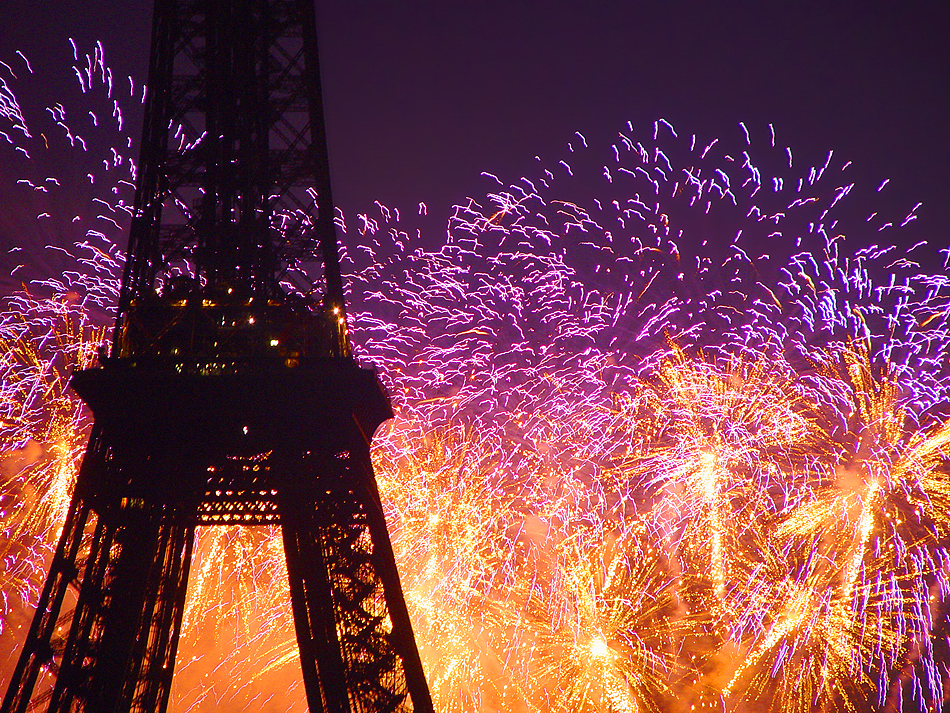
point(683, 445)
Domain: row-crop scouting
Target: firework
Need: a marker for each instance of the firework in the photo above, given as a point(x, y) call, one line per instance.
point(682, 444)
point(776, 423)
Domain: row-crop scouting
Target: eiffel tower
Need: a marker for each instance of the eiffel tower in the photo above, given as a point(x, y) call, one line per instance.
point(227, 394)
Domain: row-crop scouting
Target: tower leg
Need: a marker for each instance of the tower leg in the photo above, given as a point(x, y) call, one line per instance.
point(123, 632)
point(385, 561)
point(324, 673)
point(352, 641)
point(43, 646)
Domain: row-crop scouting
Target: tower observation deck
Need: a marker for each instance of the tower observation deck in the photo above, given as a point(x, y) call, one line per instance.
point(227, 394)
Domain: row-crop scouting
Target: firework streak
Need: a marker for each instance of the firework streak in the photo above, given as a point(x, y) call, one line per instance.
point(671, 434)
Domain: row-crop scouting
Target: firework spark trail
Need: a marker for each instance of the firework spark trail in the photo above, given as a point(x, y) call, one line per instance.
point(75, 173)
point(56, 324)
point(810, 318)
point(603, 639)
point(43, 424)
point(43, 430)
point(654, 448)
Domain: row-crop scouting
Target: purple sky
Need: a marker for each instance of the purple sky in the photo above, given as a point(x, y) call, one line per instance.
point(423, 96)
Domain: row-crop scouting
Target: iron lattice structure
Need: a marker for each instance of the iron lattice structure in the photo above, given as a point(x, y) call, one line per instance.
point(228, 394)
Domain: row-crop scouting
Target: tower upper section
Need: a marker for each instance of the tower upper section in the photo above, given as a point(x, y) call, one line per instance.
point(232, 251)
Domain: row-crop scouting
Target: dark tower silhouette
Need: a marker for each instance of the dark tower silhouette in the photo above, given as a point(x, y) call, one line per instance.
point(228, 394)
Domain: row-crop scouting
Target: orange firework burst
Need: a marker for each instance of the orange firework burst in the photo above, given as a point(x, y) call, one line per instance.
point(43, 426)
point(603, 623)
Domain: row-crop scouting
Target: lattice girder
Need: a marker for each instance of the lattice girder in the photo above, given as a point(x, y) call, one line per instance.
point(228, 395)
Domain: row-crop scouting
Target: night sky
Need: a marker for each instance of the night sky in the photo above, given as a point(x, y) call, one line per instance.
point(421, 97)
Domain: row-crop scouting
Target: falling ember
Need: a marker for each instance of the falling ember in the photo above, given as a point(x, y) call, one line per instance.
point(682, 444)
